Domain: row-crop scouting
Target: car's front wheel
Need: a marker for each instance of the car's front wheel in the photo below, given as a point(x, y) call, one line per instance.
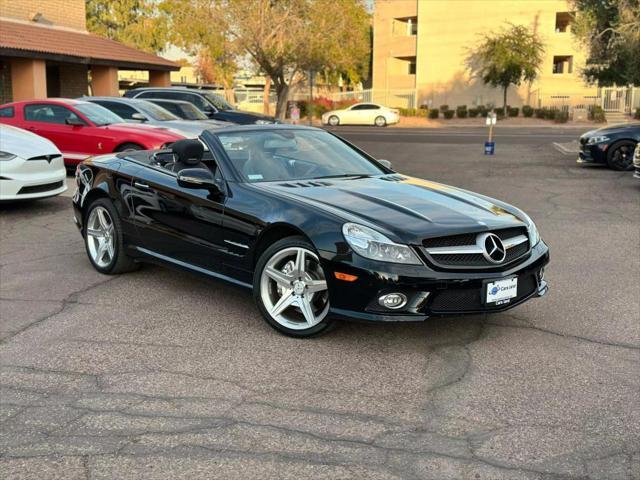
point(334, 121)
point(620, 155)
point(103, 239)
point(290, 288)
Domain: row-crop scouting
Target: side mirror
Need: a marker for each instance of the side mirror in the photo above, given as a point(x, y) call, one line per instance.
point(138, 117)
point(74, 121)
point(209, 110)
point(385, 163)
point(198, 178)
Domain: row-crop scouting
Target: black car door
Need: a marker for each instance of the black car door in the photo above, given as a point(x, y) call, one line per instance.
point(177, 224)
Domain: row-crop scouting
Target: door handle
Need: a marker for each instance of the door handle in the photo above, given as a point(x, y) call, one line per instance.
point(141, 185)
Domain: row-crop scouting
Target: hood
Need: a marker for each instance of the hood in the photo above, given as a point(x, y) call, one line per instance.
point(245, 117)
point(25, 144)
point(620, 127)
point(404, 208)
point(151, 131)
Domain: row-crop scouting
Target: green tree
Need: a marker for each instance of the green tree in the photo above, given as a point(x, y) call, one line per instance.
point(198, 28)
point(610, 30)
point(509, 57)
point(284, 39)
point(133, 22)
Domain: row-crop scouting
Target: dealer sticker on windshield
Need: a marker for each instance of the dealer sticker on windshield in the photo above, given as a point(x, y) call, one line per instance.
point(502, 291)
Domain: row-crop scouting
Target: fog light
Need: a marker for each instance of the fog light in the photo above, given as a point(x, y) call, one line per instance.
point(393, 300)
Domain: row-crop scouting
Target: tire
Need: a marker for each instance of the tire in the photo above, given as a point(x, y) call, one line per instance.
point(380, 121)
point(128, 147)
point(333, 120)
point(620, 155)
point(108, 228)
point(293, 300)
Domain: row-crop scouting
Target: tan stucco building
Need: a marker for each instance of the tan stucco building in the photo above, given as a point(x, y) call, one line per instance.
point(421, 45)
point(46, 51)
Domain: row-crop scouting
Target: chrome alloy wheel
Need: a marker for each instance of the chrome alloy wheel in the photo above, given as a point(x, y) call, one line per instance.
point(100, 237)
point(293, 288)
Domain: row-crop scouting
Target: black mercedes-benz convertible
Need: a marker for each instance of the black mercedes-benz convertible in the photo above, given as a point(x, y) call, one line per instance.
point(317, 228)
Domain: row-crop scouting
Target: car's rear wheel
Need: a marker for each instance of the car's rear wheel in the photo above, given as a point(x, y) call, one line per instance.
point(380, 121)
point(129, 147)
point(334, 121)
point(620, 155)
point(103, 239)
point(290, 288)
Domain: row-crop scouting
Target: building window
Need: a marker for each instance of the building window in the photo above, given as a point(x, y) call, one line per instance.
point(405, 26)
point(563, 64)
point(563, 20)
point(412, 67)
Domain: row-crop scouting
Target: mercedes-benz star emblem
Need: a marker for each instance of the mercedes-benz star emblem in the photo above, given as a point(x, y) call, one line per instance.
point(492, 247)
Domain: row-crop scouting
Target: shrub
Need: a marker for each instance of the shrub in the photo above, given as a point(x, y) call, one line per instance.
point(448, 114)
point(637, 114)
point(513, 111)
point(473, 112)
point(433, 113)
point(484, 111)
point(422, 112)
point(424, 106)
point(527, 111)
point(561, 116)
point(461, 111)
point(596, 113)
point(444, 108)
point(500, 114)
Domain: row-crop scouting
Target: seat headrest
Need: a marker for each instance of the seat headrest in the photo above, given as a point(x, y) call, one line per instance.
point(188, 151)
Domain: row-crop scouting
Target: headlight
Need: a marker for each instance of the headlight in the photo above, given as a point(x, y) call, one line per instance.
point(6, 156)
point(263, 122)
point(371, 244)
point(597, 139)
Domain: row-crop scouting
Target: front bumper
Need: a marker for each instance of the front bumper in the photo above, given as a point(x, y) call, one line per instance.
point(26, 180)
point(596, 153)
point(430, 293)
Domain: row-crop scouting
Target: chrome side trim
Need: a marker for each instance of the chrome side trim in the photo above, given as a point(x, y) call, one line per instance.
point(241, 245)
point(193, 267)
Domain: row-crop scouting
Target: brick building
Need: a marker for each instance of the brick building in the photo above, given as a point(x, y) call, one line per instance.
point(46, 51)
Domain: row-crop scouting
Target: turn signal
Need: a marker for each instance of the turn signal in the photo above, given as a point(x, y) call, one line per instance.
point(345, 276)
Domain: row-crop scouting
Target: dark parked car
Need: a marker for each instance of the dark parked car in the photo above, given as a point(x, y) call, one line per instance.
point(212, 105)
point(612, 145)
point(316, 227)
point(182, 109)
point(636, 161)
point(142, 111)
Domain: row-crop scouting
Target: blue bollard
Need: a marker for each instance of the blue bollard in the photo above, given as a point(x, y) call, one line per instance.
point(489, 148)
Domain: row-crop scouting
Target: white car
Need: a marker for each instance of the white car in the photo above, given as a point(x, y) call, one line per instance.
point(30, 166)
point(362, 114)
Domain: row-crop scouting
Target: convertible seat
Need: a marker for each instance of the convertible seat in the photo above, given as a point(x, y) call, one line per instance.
point(188, 154)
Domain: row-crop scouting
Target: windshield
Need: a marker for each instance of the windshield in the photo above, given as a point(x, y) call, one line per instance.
point(190, 112)
point(218, 102)
point(156, 112)
point(97, 114)
point(285, 155)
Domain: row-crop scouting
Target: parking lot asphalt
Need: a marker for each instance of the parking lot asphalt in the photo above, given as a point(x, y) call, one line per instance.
point(162, 374)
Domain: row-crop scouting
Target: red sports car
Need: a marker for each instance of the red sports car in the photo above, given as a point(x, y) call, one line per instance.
point(80, 129)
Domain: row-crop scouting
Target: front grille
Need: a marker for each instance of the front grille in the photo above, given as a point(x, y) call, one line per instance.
point(473, 260)
point(470, 299)
point(40, 188)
